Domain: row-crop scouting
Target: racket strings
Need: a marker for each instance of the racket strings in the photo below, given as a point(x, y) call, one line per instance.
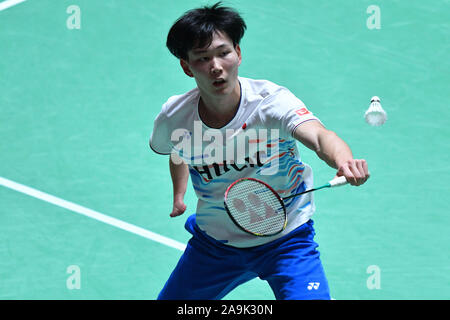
point(256, 208)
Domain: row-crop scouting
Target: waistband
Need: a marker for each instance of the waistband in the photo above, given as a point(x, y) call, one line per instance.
point(305, 230)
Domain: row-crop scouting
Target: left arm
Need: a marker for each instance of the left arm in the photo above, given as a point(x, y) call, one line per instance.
point(333, 150)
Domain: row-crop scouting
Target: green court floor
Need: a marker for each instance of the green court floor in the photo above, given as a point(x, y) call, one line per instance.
point(77, 108)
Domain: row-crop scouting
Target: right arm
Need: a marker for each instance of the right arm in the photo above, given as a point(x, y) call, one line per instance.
point(179, 173)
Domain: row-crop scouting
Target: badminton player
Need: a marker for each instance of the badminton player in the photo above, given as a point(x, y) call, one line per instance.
point(220, 256)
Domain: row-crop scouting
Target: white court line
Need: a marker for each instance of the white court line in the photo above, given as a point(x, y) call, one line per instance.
point(9, 3)
point(92, 214)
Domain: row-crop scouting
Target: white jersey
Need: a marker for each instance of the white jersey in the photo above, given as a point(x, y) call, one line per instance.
point(256, 143)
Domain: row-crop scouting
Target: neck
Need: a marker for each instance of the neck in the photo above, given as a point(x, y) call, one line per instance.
point(216, 112)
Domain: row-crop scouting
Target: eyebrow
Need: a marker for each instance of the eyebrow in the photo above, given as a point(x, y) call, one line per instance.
point(200, 51)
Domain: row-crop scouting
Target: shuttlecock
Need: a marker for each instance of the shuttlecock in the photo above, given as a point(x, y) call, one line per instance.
point(375, 115)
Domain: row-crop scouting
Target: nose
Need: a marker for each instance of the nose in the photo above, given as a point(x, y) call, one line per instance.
point(216, 68)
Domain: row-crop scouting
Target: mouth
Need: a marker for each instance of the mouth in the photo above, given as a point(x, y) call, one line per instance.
point(219, 82)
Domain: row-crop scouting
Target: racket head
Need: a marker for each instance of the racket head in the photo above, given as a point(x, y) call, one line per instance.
point(255, 207)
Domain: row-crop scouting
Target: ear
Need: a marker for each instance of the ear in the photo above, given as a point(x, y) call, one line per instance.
point(238, 51)
point(186, 68)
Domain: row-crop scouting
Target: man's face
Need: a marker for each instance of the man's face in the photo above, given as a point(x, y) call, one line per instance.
point(215, 68)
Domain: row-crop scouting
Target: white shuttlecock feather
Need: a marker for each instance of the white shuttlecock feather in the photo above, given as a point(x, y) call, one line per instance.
point(375, 115)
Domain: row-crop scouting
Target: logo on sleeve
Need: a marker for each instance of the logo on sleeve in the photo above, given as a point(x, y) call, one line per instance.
point(302, 111)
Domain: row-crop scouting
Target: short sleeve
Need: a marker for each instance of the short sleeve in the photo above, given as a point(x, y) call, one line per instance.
point(160, 138)
point(283, 110)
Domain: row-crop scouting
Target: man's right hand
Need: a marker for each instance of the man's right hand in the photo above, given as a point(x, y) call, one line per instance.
point(178, 208)
point(179, 173)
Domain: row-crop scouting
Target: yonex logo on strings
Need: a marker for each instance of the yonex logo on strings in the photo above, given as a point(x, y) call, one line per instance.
point(256, 203)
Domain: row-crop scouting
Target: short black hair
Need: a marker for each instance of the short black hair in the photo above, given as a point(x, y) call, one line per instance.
point(196, 27)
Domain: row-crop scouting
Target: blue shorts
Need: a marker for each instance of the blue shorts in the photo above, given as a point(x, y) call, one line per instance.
point(209, 270)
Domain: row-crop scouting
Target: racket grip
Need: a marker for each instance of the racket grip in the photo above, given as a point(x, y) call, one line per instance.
point(339, 181)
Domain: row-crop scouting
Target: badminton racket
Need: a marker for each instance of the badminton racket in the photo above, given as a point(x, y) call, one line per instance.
point(256, 208)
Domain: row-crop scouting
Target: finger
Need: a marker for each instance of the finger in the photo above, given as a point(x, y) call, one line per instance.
point(363, 170)
point(361, 173)
point(366, 169)
point(178, 210)
point(176, 214)
point(348, 173)
point(356, 176)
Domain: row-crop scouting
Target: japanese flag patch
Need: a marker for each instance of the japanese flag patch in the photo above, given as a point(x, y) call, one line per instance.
point(302, 111)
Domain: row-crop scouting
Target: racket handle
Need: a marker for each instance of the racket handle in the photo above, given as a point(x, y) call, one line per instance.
point(339, 181)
